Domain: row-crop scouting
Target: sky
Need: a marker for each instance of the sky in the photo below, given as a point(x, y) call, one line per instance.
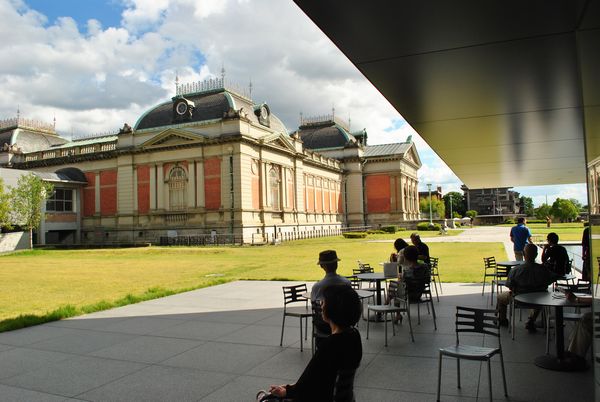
point(96, 64)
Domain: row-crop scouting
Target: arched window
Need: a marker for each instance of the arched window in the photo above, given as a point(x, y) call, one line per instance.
point(177, 188)
point(275, 186)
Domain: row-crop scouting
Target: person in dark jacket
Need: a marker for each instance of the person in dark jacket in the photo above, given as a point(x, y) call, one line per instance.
point(338, 355)
point(555, 256)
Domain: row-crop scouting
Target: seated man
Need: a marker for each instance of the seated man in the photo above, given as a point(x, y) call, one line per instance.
point(339, 354)
point(328, 260)
point(555, 257)
point(525, 278)
point(422, 247)
point(414, 274)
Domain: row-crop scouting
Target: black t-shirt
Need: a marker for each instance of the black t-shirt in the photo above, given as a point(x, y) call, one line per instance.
point(556, 259)
point(337, 352)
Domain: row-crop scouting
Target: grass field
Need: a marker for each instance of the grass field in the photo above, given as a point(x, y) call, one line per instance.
point(40, 282)
point(566, 231)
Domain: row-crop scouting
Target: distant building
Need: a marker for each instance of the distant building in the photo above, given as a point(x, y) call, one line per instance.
point(436, 194)
point(210, 161)
point(492, 201)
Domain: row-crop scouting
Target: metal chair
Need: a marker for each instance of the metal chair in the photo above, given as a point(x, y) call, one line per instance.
point(366, 269)
point(293, 294)
point(426, 298)
point(355, 283)
point(320, 329)
point(489, 270)
point(474, 320)
point(435, 275)
point(500, 277)
point(398, 304)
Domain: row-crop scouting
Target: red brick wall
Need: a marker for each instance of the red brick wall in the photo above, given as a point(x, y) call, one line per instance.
point(378, 193)
point(212, 183)
point(108, 192)
point(319, 196)
point(89, 195)
point(255, 193)
point(143, 189)
point(311, 199)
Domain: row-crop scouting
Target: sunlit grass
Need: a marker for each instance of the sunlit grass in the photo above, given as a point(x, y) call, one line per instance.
point(42, 285)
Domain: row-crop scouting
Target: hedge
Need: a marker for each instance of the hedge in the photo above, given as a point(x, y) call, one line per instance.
point(425, 226)
point(390, 229)
point(354, 235)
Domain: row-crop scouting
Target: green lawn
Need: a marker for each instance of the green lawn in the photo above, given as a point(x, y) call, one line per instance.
point(566, 231)
point(41, 281)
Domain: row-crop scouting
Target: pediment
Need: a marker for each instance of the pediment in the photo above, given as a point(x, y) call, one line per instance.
point(412, 156)
point(173, 137)
point(279, 141)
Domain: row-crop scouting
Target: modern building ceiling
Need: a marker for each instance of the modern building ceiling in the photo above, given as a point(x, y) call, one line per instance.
point(503, 91)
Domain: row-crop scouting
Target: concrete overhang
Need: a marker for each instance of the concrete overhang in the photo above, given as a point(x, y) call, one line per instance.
point(505, 92)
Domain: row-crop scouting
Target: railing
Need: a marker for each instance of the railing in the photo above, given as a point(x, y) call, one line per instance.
point(200, 240)
point(29, 123)
point(211, 84)
point(70, 151)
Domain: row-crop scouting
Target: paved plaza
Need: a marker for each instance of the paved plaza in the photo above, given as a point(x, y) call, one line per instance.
point(222, 344)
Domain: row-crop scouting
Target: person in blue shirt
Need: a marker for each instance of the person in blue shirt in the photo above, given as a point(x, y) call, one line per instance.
point(520, 235)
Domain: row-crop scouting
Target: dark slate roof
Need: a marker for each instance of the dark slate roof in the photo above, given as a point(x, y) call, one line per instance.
point(207, 107)
point(6, 138)
point(327, 135)
point(386, 149)
point(11, 176)
point(31, 141)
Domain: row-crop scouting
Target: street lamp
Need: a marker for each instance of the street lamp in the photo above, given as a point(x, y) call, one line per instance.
point(430, 213)
point(451, 216)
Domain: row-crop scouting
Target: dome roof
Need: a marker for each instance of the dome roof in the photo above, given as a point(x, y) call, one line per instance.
point(325, 135)
point(206, 107)
point(209, 105)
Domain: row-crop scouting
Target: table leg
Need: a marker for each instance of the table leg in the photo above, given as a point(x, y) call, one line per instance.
point(378, 289)
point(563, 361)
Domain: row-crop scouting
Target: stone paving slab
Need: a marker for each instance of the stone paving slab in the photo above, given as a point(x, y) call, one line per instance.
point(214, 345)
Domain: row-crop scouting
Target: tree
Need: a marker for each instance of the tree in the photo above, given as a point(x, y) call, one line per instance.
point(576, 203)
point(437, 207)
point(564, 210)
point(458, 203)
point(471, 213)
point(526, 205)
point(542, 212)
point(5, 216)
point(28, 196)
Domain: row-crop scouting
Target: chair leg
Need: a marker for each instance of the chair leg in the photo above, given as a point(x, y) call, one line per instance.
point(301, 334)
point(490, 378)
point(393, 327)
point(305, 327)
point(368, 320)
point(282, 328)
point(512, 319)
point(410, 323)
point(439, 384)
point(503, 374)
point(483, 289)
point(418, 313)
point(436, 291)
point(440, 281)
point(458, 372)
point(385, 326)
point(433, 313)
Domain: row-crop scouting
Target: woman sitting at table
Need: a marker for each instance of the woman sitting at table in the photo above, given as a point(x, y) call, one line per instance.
point(414, 274)
point(337, 358)
point(398, 256)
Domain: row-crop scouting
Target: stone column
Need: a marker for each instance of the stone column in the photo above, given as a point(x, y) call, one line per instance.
point(160, 187)
point(200, 185)
point(152, 187)
point(191, 184)
point(97, 193)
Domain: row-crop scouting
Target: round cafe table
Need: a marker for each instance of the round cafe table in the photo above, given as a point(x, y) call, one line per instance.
point(563, 361)
point(377, 277)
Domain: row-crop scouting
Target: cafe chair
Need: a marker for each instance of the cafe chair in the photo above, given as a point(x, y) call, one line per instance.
point(489, 271)
point(293, 295)
point(427, 299)
point(366, 269)
point(474, 320)
point(355, 283)
point(398, 304)
point(320, 329)
point(514, 305)
point(435, 275)
point(500, 277)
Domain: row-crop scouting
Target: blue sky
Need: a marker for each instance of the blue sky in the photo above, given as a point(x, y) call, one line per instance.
point(93, 77)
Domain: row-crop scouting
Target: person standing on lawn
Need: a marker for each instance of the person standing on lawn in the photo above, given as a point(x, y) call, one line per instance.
point(520, 235)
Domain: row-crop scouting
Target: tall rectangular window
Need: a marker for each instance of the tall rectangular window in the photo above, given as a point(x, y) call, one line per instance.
point(60, 201)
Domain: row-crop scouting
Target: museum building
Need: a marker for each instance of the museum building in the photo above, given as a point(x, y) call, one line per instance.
point(211, 162)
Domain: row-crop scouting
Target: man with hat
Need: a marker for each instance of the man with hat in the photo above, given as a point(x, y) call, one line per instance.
point(328, 260)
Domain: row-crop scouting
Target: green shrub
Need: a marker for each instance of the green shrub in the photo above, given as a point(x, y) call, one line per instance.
point(374, 231)
point(425, 226)
point(390, 229)
point(509, 221)
point(457, 224)
point(400, 229)
point(355, 235)
point(536, 221)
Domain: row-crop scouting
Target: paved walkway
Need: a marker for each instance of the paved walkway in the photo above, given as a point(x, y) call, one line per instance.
point(222, 344)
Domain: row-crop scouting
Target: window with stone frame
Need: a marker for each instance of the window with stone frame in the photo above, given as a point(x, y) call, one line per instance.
point(177, 188)
point(275, 187)
point(60, 201)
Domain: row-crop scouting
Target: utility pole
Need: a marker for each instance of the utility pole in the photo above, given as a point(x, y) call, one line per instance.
point(430, 213)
